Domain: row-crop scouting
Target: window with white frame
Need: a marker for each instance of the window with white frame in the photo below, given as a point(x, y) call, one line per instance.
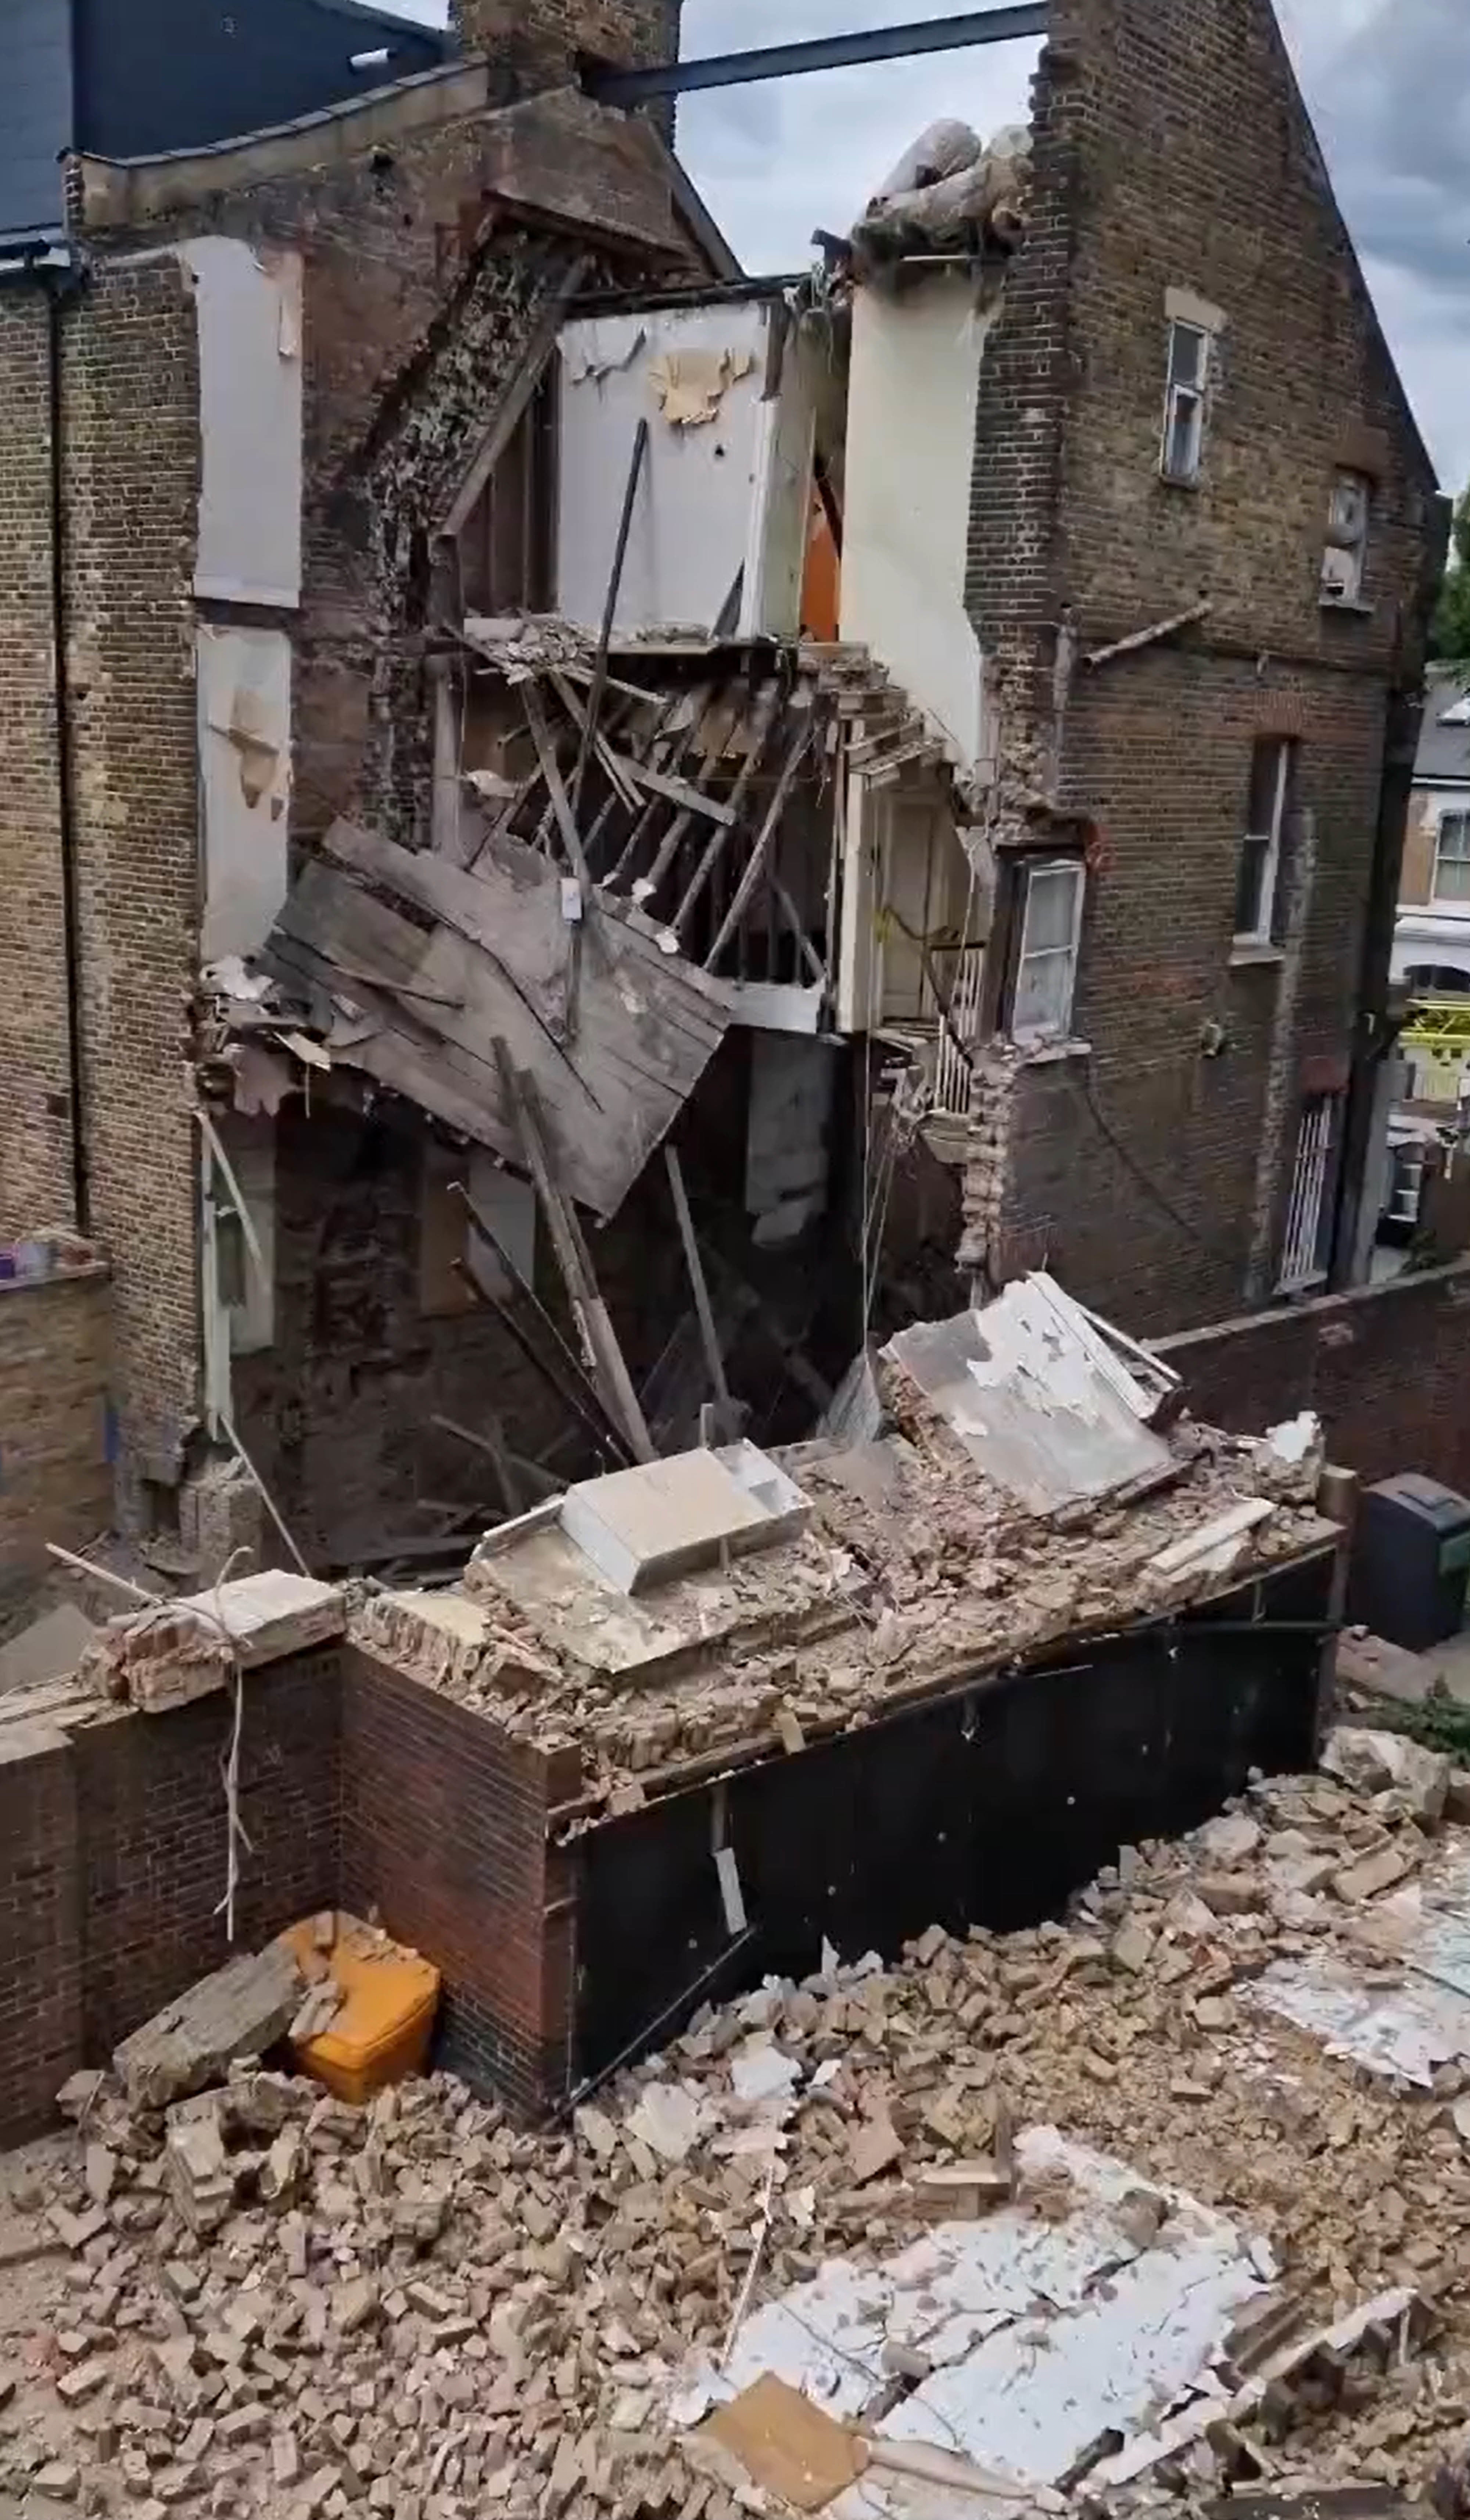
point(1308, 1216)
point(1349, 514)
point(1452, 858)
point(1051, 929)
point(1185, 402)
point(1258, 885)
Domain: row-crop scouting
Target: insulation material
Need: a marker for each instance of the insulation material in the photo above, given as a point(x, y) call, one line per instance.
point(1041, 2336)
point(689, 385)
point(949, 188)
point(243, 680)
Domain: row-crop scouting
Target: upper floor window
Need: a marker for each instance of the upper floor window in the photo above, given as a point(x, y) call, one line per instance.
point(1184, 401)
point(1051, 929)
point(1452, 861)
point(1344, 559)
point(1258, 885)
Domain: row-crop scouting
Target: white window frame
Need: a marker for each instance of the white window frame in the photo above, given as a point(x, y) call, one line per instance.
point(1178, 391)
point(1302, 1257)
point(1034, 1036)
point(1265, 930)
point(1452, 815)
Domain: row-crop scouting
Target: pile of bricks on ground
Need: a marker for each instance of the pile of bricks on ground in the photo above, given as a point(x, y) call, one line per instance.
point(253, 2298)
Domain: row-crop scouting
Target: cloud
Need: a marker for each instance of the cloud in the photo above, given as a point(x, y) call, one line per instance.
point(1388, 82)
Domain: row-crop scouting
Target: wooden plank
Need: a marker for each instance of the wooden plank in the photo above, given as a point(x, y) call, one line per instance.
point(593, 1319)
point(561, 802)
point(704, 1309)
point(796, 755)
point(680, 791)
point(767, 708)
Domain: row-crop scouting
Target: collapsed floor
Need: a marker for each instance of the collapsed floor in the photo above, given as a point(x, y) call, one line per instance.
point(416, 2309)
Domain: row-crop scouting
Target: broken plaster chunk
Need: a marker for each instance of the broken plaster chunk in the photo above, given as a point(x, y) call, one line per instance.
point(1372, 1876)
point(242, 2010)
point(1376, 1763)
point(874, 2145)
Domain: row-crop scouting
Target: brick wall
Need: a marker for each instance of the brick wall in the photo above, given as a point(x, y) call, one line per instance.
point(36, 1084)
point(540, 39)
point(1173, 153)
point(112, 1864)
point(131, 385)
point(338, 1412)
point(443, 1831)
point(1384, 1367)
point(357, 1788)
point(152, 1835)
point(41, 1971)
point(55, 1480)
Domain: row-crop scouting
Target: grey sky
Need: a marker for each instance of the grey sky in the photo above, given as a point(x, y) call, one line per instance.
point(1388, 82)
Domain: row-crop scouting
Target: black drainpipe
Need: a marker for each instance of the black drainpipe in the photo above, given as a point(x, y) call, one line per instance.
point(56, 273)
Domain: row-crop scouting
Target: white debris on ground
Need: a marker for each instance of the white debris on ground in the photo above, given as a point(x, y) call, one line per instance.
point(1087, 2152)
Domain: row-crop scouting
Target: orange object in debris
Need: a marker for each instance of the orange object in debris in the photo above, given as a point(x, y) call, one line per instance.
point(383, 2030)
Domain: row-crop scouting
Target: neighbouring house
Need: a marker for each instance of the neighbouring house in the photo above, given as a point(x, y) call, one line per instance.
point(927, 740)
point(1431, 965)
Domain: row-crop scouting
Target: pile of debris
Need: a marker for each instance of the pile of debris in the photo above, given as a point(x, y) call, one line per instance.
point(1242, 2256)
point(1016, 1484)
point(951, 195)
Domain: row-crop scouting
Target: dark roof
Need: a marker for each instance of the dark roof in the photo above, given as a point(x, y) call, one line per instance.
point(140, 78)
point(36, 116)
point(1445, 750)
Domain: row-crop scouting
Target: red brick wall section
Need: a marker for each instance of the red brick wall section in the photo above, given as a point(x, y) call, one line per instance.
point(132, 470)
point(152, 1817)
point(35, 1175)
point(1385, 1368)
point(56, 1481)
point(1173, 152)
point(40, 1951)
point(538, 40)
point(443, 1832)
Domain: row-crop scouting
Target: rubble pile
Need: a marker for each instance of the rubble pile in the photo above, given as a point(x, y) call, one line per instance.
point(263, 2300)
point(917, 1569)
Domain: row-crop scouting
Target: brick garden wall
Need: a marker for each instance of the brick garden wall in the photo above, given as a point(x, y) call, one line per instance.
point(443, 1832)
point(357, 1788)
point(1385, 1368)
point(55, 1480)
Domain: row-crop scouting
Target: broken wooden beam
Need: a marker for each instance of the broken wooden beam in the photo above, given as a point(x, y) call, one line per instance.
point(796, 755)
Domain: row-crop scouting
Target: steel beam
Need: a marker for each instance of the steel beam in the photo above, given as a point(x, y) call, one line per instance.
point(823, 53)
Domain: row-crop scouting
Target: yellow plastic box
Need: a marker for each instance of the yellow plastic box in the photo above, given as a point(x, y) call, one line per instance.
point(383, 2030)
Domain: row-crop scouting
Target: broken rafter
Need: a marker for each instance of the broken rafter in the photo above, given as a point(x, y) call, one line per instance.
point(704, 1309)
point(589, 1311)
point(766, 711)
point(797, 754)
point(561, 802)
point(1156, 630)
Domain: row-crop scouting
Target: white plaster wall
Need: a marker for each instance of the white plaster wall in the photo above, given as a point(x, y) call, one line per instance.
point(249, 309)
point(244, 679)
point(911, 413)
point(709, 496)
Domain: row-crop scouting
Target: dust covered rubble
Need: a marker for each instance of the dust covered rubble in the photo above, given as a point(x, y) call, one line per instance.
point(916, 1573)
point(266, 2301)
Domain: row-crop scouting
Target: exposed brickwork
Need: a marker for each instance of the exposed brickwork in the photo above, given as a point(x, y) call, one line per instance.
point(443, 1831)
point(1384, 1367)
point(1173, 153)
point(35, 1165)
point(40, 1919)
point(150, 1807)
point(338, 1411)
point(55, 1480)
point(540, 40)
point(133, 475)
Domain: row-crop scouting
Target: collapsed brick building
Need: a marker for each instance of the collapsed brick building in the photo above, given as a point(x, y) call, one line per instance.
point(1072, 943)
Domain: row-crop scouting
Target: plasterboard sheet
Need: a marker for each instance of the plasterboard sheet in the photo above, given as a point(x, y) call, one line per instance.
point(1044, 2334)
point(1030, 1402)
point(1405, 2031)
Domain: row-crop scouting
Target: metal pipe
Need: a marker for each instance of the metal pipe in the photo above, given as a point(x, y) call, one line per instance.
point(823, 53)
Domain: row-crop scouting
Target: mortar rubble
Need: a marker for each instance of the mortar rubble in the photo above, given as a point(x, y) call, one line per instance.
point(264, 2301)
